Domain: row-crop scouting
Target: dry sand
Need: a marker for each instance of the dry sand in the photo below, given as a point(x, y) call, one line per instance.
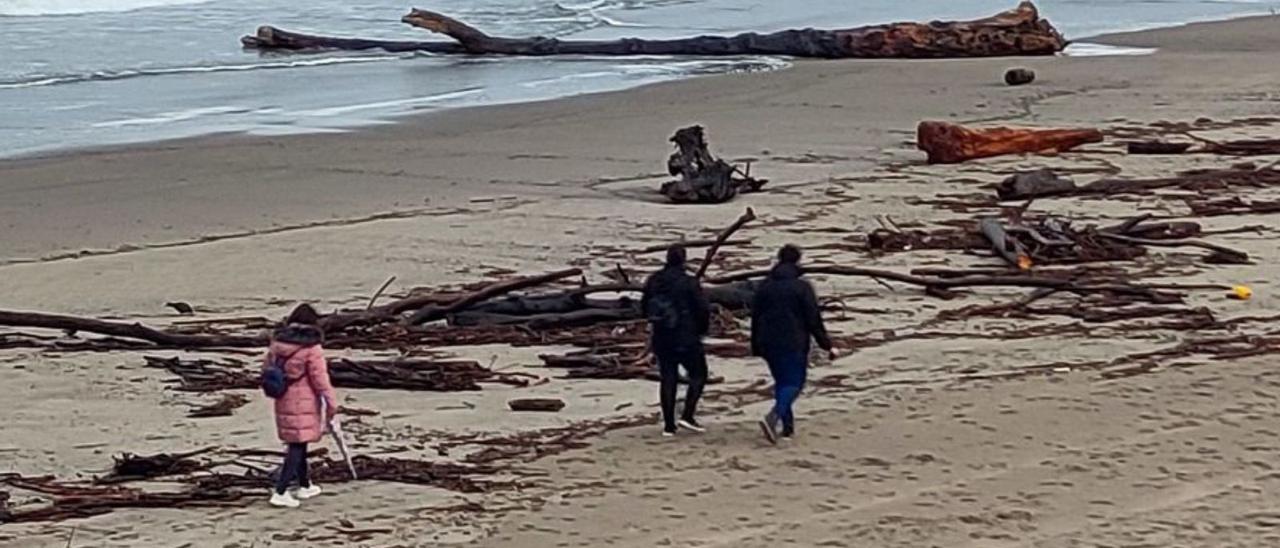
point(909, 455)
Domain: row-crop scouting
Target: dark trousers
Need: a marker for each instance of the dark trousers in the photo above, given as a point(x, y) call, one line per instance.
point(695, 364)
point(295, 468)
point(789, 370)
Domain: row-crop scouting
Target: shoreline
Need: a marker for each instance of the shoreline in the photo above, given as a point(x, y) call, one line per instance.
point(44, 178)
point(1137, 37)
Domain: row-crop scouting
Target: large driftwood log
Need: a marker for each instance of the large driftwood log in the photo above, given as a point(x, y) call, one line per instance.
point(947, 143)
point(430, 308)
point(137, 331)
point(1020, 31)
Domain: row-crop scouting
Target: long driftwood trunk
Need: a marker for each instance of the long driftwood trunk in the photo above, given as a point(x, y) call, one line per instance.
point(1019, 31)
point(136, 331)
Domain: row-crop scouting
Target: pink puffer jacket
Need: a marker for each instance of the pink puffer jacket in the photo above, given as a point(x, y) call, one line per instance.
point(297, 413)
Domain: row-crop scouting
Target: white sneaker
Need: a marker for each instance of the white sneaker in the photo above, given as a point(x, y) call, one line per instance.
point(691, 425)
point(284, 501)
point(306, 492)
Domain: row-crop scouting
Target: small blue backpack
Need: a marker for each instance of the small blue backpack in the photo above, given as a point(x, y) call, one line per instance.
point(274, 380)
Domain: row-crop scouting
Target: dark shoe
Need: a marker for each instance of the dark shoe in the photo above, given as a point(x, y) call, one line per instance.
point(788, 433)
point(770, 432)
point(691, 425)
point(669, 432)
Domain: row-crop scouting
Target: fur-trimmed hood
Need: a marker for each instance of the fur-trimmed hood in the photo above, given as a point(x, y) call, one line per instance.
point(298, 334)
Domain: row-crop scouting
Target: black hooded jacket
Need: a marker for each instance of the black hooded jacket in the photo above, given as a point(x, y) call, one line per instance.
point(785, 314)
point(692, 313)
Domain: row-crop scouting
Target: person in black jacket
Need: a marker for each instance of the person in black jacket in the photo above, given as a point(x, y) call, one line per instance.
point(678, 318)
point(784, 319)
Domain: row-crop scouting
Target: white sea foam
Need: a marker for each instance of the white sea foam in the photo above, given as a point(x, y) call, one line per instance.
point(396, 104)
point(1085, 49)
point(171, 117)
point(70, 7)
point(41, 81)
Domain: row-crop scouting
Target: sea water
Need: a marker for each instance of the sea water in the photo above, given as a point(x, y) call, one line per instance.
point(77, 73)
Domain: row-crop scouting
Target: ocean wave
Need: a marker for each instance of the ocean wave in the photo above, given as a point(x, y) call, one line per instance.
point(175, 116)
point(72, 7)
point(53, 80)
point(1087, 49)
point(395, 104)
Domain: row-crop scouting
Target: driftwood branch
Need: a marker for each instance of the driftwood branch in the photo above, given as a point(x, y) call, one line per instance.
point(1020, 31)
point(1222, 253)
point(748, 216)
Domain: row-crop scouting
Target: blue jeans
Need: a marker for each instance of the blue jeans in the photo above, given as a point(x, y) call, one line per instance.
point(789, 370)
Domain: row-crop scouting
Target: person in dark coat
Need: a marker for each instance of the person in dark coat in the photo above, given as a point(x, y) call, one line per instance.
point(678, 319)
point(785, 318)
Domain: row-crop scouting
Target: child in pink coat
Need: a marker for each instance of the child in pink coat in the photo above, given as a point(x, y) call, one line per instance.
point(299, 418)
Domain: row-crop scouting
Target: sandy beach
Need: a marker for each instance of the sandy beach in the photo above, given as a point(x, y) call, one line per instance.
point(956, 437)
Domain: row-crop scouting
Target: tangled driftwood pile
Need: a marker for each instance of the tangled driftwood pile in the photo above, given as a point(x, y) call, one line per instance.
point(1096, 273)
point(207, 482)
point(703, 177)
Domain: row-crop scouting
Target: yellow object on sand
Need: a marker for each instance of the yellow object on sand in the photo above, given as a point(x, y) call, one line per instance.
point(1241, 292)
point(1024, 262)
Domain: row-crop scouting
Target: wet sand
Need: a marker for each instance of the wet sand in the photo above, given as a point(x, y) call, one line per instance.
point(912, 447)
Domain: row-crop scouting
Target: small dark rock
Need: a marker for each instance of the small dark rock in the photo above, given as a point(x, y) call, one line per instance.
point(1019, 76)
point(1042, 182)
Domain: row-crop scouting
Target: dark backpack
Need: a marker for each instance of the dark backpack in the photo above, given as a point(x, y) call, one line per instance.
point(663, 313)
point(274, 380)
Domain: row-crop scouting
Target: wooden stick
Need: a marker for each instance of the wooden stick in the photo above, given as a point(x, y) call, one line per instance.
point(748, 216)
point(374, 299)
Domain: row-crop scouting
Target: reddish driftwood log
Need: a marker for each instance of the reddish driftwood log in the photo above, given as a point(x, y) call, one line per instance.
point(948, 143)
point(1019, 31)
